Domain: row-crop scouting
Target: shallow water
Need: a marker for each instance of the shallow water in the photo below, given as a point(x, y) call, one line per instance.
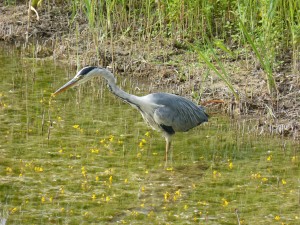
point(85, 157)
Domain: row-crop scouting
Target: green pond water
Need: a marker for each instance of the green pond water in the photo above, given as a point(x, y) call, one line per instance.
point(85, 157)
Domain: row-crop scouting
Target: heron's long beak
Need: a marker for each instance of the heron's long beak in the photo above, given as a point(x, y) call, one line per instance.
point(69, 84)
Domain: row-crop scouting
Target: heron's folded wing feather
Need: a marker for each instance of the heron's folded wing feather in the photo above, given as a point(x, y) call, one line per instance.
point(181, 116)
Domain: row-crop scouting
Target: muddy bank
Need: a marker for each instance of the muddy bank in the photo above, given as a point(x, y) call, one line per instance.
point(165, 64)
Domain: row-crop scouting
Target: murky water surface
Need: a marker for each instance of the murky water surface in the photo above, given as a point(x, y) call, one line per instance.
point(87, 158)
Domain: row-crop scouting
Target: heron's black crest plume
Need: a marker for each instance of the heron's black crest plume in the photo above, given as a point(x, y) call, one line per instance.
point(86, 70)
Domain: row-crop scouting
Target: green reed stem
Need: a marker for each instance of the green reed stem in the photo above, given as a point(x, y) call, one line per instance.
point(221, 73)
point(263, 59)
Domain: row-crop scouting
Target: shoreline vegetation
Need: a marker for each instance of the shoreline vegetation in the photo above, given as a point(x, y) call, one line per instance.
point(238, 57)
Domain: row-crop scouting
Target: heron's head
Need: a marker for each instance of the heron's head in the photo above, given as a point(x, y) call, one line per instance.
point(82, 76)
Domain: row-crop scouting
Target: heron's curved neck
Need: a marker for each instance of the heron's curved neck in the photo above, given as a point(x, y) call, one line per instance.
point(120, 93)
point(131, 99)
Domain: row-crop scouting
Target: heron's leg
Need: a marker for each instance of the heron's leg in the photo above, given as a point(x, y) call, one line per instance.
point(168, 147)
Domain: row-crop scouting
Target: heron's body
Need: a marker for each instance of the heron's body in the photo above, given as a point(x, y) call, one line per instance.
point(164, 112)
point(170, 113)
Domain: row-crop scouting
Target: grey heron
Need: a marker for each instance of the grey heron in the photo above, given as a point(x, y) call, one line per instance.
point(167, 113)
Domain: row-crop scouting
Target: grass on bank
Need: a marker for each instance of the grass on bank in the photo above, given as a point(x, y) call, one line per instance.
point(272, 22)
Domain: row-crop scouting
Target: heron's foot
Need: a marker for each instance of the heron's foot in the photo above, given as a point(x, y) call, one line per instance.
point(168, 161)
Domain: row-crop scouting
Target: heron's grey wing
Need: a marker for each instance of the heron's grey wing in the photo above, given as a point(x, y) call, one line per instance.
point(179, 114)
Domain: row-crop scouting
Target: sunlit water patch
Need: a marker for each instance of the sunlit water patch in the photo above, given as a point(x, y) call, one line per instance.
point(86, 157)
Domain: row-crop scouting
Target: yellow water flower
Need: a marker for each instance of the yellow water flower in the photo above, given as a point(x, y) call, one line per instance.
point(38, 169)
point(110, 179)
point(76, 126)
point(202, 203)
point(134, 213)
point(283, 181)
point(230, 165)
point(13, 210)
point(84, 185)
point(178, 193)
point(186, 207)
point(111, 138)
point(147, 134)
point(142, 143)
point(108, 171)
point(175, 198)
point(151, 213)
point(166, 196)
point(216, 174)
point(264, 179)
point(83, 171)
point(8, 169)
point(43, 199)
point(277, 218)
point(94, 197)
point(255, 175)
point(294, 159)
point(125, 180)
point(94, 150)
point(225, 202)
point(269, 158)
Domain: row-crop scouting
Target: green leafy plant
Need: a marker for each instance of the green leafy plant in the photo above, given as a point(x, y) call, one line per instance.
point(221, 72)
point(264, 60)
